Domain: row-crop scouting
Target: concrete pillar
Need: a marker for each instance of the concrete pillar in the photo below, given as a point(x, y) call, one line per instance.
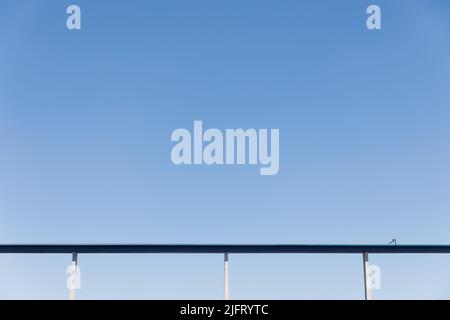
point(73, 277)
point(226, 288)
point(367, 291)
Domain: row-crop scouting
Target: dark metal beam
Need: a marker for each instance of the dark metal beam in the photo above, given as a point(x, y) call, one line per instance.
point(219, 248)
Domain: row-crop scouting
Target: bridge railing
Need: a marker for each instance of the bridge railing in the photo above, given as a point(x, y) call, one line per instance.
point(226, 250)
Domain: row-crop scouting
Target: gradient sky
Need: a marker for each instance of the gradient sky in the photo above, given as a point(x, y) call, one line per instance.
point(86, 118)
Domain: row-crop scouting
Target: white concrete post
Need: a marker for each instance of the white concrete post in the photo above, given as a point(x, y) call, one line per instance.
point(367, 291)
point(226, 288)
point(73, 277)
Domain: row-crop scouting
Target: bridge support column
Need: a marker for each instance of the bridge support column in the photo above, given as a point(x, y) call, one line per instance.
point(367, 291)
point(226, 288)
point(73, 281)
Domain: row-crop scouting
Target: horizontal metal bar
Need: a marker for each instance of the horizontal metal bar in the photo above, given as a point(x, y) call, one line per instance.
point(218, 248)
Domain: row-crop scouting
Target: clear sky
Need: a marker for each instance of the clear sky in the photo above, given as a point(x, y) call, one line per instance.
point(86, 118)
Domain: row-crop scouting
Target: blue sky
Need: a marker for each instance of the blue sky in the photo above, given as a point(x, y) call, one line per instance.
point(86, 118)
